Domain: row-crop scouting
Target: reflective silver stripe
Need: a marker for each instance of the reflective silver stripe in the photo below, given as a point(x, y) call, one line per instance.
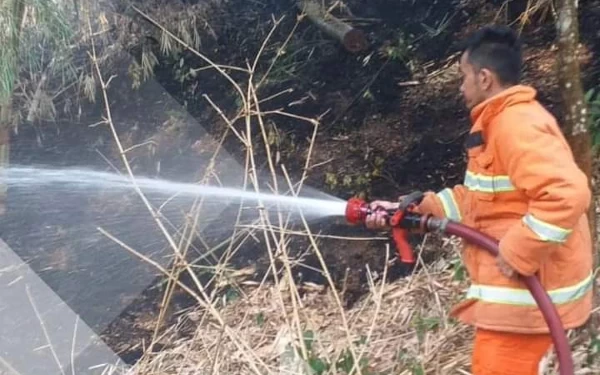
point(450, 206)
point(488, 184)
point(522, 297)
point(546, 231)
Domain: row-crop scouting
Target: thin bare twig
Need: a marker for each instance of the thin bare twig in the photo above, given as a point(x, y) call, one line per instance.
point(44, 330)
point(73, 345)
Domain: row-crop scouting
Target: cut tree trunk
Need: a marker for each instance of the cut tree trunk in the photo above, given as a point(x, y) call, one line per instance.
point(352, 39)
point(576, 122)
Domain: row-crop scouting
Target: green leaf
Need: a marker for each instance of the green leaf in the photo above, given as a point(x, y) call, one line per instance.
point(363, 363)
point(309, 338)
point(460, 271)
point(589, 95)
point(595, 345)
point(418, 369)
point(345, 362)
point(596, 141)
point(231, 295)
point(260, 319)
point(594, 350)
point(317, 365)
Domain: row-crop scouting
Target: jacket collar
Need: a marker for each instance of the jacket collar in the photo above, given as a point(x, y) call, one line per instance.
point(485, 111)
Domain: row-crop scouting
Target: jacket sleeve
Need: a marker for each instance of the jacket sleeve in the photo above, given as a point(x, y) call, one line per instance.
point(446, 203)
point(540, 163)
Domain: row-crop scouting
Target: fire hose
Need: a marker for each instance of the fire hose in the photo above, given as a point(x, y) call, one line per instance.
point(405, 219)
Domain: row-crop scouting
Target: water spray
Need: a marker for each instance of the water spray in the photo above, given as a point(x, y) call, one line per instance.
point(405, 220)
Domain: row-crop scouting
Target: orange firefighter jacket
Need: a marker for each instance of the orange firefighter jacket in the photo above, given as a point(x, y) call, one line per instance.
point(522, 187)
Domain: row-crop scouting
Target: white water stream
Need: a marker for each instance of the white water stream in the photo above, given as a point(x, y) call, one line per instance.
point(78, 179)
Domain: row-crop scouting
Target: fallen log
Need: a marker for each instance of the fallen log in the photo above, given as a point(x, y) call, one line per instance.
point(353, 40)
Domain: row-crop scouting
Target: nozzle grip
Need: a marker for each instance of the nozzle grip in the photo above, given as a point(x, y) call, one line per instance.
point(400, 236)
point(401, 220)
point(403, 248)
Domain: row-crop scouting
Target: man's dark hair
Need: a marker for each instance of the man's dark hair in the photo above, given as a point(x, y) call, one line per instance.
point(496, 48)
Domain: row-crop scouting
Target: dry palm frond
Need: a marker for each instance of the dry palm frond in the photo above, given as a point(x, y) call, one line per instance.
point(534, 8)
point(149, 61)
point(89, 87)
point(188, 22)
point(539, 9)
point(166, 44)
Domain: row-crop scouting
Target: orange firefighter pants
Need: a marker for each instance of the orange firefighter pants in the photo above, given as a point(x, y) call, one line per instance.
point(502, 353)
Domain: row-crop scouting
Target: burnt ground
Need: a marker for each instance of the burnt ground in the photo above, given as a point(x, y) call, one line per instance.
point(381, 135)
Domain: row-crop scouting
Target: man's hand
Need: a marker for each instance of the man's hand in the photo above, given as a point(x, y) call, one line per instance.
point(378, 219)
point(505, 268)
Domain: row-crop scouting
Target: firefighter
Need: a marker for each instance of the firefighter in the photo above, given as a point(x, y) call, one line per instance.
point(523, 187)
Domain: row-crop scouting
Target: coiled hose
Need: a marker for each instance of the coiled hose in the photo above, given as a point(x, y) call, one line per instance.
point(559, 337)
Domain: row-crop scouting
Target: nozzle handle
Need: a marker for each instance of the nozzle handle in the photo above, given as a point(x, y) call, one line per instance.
point(400, 235)
point(400, 220)
point(403, 247)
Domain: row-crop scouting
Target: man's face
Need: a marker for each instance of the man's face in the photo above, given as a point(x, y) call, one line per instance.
point(471, 87)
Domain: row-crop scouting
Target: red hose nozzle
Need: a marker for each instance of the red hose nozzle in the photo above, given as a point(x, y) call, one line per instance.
point(357, 211)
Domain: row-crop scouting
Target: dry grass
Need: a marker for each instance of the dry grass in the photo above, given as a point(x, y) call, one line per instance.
point(399, 328)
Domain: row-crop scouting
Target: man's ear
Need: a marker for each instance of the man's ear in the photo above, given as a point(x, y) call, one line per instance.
point(486, 79)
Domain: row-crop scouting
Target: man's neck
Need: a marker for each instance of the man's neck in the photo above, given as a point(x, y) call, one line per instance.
point(501, 98)
point(497, 90)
